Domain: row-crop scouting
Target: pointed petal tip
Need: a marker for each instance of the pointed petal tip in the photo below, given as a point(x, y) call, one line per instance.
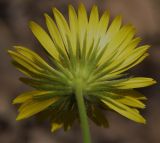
point(32, 24)
point(144, 98)
point(152, 81)
point(10, 52)
point(14, 101)
point(16, 47)
point(141, 120)
point(45, 15)
point(144, 121)
point(19, 118)
point(119, 17)
point(95, 7)
point(148, 46)
point(53, 130)
point(70, 6)
point(55, 10)
point(55, 127)
point(107, 12)
point(81, 5)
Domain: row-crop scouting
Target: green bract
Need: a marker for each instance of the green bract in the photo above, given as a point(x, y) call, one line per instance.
point(86, 52)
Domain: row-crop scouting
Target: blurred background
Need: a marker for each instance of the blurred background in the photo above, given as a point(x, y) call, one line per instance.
point(14, 17)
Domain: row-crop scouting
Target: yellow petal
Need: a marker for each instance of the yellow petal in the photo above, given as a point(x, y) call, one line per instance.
point(56, 126)
point(33, 107)
point(62, 26)
point(132, 93)
point(136, 82)
point(121, 70)
point(73, 22)
point(124, 50)
point(25, 62)
point(114, 45)
point(103, 24)
point(130, 59)
point(92, 27)
point(35, 58)
point(122, 41)
point(44, 39)
point(82, 23)
point(134, 56)
point(131, 101)
point(124, 110)
point(127, 46)
point(27, 96)
point(111, 32)
point(54, 32)
point(23, 97)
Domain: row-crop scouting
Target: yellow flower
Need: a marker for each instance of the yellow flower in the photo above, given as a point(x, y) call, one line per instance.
point(87, 56)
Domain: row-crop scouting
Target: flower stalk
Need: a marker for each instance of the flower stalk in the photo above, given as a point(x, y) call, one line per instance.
point(82, 111)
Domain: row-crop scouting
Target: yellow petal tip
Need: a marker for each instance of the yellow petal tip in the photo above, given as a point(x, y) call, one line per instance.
point(14, 101)
point(144, 121)
point(19, 118)
point(45, 14)
point(32, 24)
point(54, 10)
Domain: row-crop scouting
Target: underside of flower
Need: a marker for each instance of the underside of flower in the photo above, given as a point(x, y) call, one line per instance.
point(92, 54)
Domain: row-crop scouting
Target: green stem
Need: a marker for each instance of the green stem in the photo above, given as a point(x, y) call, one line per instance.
point(82, 112)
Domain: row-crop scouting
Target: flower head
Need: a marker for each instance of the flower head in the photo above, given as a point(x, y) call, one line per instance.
point(90, 53)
